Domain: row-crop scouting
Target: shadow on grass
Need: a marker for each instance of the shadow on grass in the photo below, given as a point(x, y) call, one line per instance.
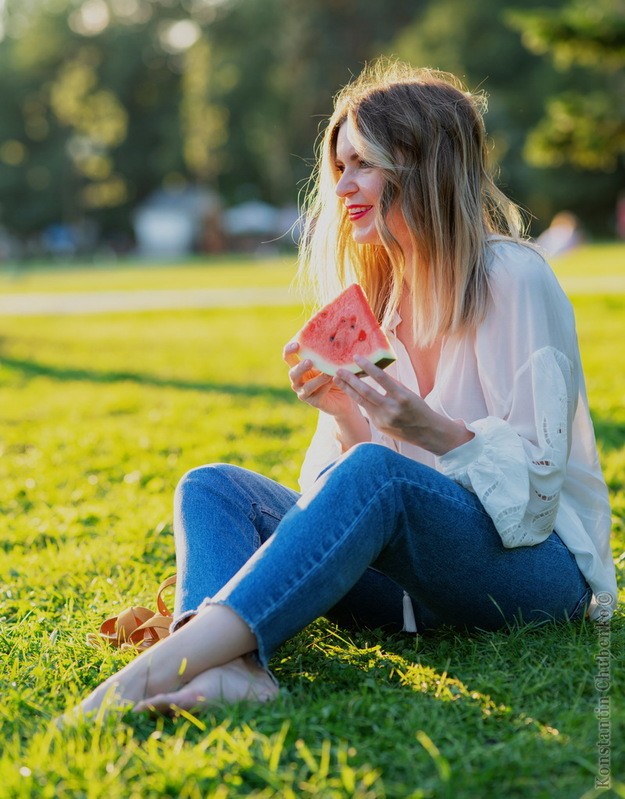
point(31, 369)
point(610, 433)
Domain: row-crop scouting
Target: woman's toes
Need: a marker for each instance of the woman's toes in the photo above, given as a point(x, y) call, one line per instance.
point(162, 703)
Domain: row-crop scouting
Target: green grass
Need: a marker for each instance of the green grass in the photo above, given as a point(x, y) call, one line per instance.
point(234, 271)
point(215, 272)
point(100, 417)
point(592, 260)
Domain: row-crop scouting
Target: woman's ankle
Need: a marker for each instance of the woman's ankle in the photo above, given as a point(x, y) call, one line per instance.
point(180, 622)
point(253, 663)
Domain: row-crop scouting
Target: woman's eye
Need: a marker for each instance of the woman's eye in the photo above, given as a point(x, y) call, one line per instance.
point(364, 164)
point(339, 168)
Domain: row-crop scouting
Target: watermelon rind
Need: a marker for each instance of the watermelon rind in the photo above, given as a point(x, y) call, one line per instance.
point(381, 358)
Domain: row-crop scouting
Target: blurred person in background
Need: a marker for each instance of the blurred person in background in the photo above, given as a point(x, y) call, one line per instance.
point(563, 234)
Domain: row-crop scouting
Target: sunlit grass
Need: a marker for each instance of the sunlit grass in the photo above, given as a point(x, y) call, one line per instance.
point(100, 417)
point(590, 260)
point(230, 271)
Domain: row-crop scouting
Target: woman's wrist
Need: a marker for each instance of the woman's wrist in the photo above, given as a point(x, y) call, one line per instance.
point(444, 434)
point(352, 428)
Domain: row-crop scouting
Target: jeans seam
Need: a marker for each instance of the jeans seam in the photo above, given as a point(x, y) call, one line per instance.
point(481, 510)
point(553, 539)
point(250, 515)
point(584, 599)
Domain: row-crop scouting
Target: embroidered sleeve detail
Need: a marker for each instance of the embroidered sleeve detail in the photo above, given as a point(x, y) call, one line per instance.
point(518, 475)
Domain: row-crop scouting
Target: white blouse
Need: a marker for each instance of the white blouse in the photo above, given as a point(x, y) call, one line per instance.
point(517, 383)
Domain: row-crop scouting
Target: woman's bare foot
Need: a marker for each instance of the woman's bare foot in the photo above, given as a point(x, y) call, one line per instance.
point(241, 679)
point(214, 642)
point(122, 690)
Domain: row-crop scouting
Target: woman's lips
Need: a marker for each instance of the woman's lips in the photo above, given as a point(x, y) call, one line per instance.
point(358, 211)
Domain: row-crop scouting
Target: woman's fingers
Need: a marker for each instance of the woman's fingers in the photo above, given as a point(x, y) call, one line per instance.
point(302, 373)
point(363, 392)
point(166, 703)
point(357, 389)
point(302, 370)
point(289, 353)
point(379, 375)
point(298, 372)
point(313, 385)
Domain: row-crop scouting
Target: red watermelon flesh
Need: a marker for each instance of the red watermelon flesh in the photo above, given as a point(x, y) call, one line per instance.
point(344, 328)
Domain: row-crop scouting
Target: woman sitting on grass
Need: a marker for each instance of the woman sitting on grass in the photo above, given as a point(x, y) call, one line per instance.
point(461, 486)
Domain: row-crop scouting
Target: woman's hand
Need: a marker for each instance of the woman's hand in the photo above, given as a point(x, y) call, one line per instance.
point(399, 412)
point(316, 388)
point(322, 392)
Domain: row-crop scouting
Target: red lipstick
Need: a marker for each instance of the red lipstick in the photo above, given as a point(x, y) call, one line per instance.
point(358, 211)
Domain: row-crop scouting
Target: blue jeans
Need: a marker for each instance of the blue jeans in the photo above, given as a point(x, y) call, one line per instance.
point(374, 525)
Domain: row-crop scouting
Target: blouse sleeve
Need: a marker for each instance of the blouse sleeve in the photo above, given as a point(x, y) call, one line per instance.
point(529, 370)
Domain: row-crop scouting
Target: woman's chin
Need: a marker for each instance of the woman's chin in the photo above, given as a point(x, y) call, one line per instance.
point(365, 236)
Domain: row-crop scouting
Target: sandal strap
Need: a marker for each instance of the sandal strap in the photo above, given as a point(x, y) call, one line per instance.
point(149, 633)
point(117, 629)
point(167, 583)
point(156, 622)
point(136, 627)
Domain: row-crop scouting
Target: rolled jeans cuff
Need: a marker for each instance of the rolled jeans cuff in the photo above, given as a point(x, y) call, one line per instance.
point(182, 619)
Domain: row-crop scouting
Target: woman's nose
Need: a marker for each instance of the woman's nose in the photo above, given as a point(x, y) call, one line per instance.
point(345, 186)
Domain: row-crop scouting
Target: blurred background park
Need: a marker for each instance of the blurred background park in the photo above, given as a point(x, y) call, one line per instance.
point(168, 127)
point(162, 145)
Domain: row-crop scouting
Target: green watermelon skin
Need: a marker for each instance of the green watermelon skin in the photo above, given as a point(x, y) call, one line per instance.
point(344, 328)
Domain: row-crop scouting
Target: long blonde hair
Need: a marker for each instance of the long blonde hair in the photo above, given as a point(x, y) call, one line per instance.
point(425, 132)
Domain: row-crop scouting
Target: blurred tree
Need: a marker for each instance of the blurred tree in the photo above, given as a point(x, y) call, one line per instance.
point(105, 101)
point(109, 99)
point(204, 123)
point(99, 124)
point(585, 129)
point(289, 57)
point(476, 41)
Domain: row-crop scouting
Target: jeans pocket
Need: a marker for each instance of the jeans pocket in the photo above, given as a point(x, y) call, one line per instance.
point(265, 510)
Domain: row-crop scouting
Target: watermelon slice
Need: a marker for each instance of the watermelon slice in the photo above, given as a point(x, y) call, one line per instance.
point(344, 328)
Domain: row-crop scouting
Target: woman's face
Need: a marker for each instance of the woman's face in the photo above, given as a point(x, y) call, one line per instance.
point(360, 187)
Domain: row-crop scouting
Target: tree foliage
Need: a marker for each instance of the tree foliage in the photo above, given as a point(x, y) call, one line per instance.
point(477, 41)
point(105, 101)
point(586, 129)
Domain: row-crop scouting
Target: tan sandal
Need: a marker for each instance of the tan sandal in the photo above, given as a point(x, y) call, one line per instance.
point(136, 627)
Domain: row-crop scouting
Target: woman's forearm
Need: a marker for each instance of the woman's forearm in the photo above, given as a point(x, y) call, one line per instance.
point(351, 430)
